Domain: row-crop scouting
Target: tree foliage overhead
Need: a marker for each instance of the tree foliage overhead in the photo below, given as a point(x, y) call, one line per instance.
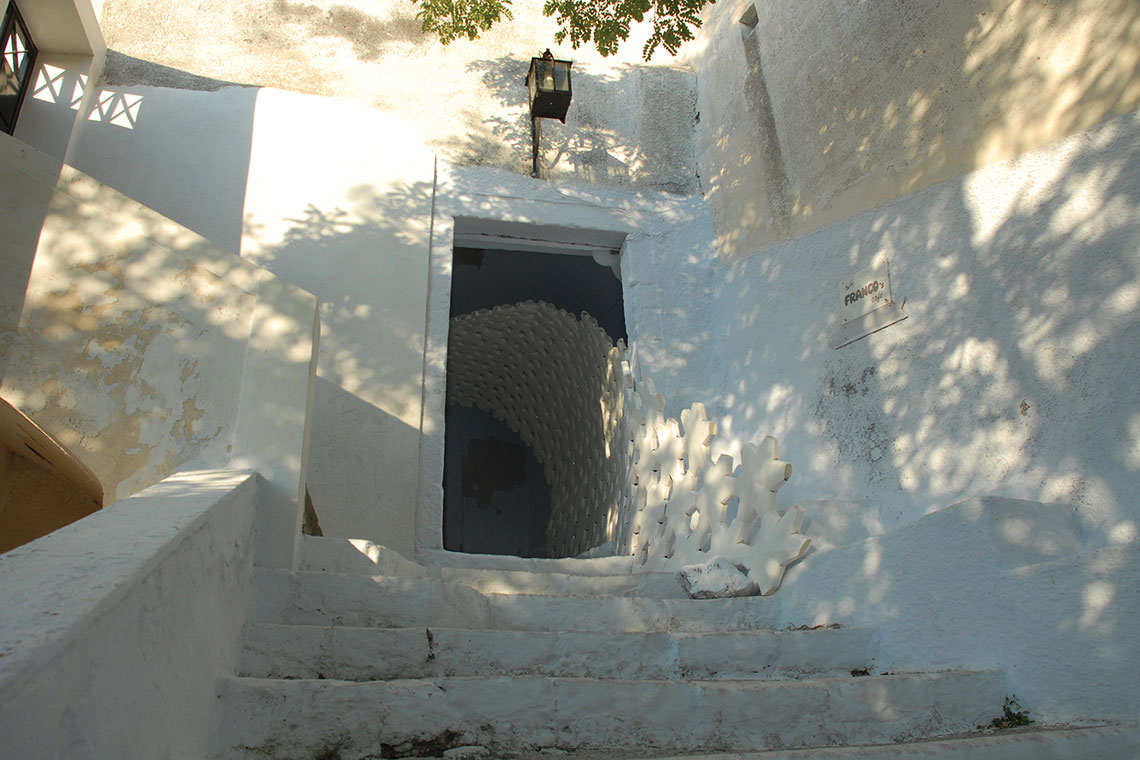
point(605, 23)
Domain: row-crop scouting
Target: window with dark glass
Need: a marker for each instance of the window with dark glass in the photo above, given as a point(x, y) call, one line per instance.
point(16, 62)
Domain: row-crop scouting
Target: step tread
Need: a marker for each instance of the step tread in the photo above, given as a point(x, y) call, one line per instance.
point(525, 582)
point(384, 601)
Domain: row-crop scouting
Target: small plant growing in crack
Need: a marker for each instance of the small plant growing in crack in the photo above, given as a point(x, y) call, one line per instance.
point(1013, 715)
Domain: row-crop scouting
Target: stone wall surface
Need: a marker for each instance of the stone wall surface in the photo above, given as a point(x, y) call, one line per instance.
point(338, 203)
point(141, 347)
point(128, 325)
point(825, 110)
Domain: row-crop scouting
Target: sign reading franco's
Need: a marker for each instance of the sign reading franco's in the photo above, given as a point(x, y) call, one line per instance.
point(865, 291)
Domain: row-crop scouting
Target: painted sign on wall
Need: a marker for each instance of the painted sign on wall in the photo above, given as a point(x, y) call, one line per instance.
point(865, 305)
point(864, 292)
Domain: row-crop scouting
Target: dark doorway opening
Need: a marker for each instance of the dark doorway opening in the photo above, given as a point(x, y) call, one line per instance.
point(497, 499)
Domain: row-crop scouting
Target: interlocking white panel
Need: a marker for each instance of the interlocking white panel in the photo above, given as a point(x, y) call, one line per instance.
point(689, 509)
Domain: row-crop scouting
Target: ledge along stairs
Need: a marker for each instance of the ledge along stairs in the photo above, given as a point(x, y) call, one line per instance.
point(363, 654)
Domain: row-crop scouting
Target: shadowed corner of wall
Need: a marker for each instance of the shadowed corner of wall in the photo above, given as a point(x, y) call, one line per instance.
point(368, 388)
point(43, 486)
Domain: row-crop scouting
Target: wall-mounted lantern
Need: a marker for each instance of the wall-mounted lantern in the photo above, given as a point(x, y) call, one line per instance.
point(548, 83)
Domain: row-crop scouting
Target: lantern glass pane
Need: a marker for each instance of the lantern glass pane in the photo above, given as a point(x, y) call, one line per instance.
point(561, 77)
point(544, 76)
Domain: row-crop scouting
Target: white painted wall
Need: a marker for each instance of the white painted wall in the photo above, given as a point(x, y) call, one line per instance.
point(1015, 372)
point(987, 583)
point(116, 628)
point(338, 201)
point(345, 217)
point(54, 104)
point(629, 125)
point(183, 153)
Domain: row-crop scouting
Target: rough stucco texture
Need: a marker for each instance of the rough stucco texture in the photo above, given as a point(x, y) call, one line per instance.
point(1015, 373)
point(826, 111)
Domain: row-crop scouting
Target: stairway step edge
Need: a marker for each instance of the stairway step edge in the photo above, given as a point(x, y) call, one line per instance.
point(696, 684)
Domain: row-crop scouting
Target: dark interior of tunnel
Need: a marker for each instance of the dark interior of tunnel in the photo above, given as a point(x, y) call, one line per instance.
point(496, 498)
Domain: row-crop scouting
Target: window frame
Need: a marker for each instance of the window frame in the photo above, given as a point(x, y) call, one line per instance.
point(14, 23)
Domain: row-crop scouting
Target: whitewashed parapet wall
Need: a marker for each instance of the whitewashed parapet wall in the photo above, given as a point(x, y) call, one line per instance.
point(556, 381)
point(688, 509)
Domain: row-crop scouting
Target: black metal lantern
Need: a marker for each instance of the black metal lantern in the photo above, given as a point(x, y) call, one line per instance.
point(549, 83)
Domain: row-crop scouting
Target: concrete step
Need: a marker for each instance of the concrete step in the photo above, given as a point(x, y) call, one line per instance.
point(301, 719)
point(355, 555)
point(282, 597)
point(372, 654)
point(497, 581)
point(1047, 743)
point(620, 565)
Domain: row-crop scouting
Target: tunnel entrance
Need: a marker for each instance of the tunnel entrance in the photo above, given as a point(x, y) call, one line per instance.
point(526, 431)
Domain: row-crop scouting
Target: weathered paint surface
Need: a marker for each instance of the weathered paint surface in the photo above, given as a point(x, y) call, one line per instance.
point(129, 347)
point(825, 111)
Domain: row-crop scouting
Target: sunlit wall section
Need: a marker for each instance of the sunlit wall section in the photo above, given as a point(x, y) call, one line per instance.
point(810, 112)
point(557, 382)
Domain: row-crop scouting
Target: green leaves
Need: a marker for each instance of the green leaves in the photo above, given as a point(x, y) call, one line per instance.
point(452, 19)
point(604, 23)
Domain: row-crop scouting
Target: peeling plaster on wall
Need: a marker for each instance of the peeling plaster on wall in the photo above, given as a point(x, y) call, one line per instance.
point(133, 334)
point(551, 377)
point(870, 102)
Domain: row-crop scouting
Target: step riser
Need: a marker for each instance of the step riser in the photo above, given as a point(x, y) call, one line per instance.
point(346, 600)
point(294, 720)
point(360, 654)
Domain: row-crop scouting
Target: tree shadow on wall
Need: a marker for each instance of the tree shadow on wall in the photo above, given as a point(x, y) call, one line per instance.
point(1011, 377)
point(371, 36)
point(366, 260)
point(604, 139)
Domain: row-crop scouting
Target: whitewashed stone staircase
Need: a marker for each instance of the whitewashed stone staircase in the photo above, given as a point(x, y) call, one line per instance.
point(341, 662)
